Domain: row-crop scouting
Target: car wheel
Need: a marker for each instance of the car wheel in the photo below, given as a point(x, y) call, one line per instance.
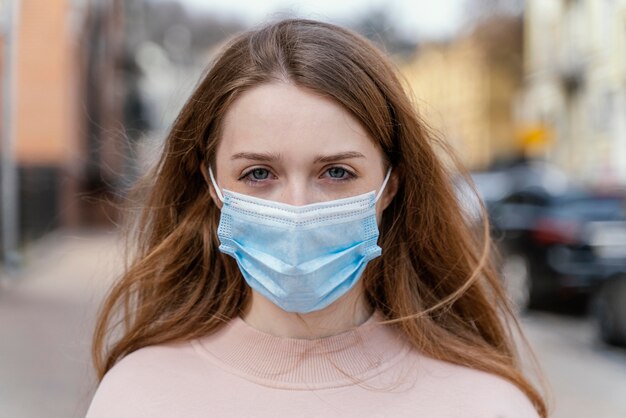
point(517, 280)
point(609, 311)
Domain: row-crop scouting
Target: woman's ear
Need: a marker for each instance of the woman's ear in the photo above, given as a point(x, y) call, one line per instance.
point(390, 190)
point(209, 183)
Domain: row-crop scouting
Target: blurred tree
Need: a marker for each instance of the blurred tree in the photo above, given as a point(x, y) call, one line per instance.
point(172, 26)
point(377, 25)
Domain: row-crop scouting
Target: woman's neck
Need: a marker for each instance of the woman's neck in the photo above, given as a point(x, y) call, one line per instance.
point(349, 311)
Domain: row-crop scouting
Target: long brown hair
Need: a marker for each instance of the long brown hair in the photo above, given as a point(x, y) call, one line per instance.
point(435, 281)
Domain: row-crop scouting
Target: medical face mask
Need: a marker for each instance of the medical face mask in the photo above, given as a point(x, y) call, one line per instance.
point(302, 258)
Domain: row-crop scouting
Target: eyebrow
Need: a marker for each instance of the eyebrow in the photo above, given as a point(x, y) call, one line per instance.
point(255, 156)
point(339, 156)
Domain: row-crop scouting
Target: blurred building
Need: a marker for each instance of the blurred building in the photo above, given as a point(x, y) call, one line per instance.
point(575, 77)
point(74, 100)
point(467, 88)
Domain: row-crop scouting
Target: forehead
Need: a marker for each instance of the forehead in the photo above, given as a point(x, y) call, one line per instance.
point(293, 122)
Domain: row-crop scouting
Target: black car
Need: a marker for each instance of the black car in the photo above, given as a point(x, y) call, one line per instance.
point(609, 309)
point(559, 247)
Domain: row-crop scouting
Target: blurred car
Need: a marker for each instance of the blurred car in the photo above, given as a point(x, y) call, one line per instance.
point(609, 309)
point(559, 247)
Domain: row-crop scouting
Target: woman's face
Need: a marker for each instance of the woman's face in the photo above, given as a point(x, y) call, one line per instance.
point(284, 143)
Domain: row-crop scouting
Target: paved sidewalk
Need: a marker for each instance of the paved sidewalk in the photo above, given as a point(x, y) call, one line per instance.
point(47, 316)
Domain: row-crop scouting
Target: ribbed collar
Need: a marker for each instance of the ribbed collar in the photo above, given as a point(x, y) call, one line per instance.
point(293, 363)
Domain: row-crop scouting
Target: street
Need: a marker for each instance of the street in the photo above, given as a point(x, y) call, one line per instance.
point(46, 320)
point(588, 378)
point(47, 317)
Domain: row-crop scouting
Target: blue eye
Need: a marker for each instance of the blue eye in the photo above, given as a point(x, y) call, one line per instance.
point(259, 173)
point(256, 176)
point(337, 172)
point(340, 174)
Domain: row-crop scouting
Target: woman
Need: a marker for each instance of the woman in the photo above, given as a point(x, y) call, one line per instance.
point(301, 252)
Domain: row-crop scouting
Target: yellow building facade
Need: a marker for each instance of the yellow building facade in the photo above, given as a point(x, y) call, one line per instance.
point(466, 90)
point(575, 85)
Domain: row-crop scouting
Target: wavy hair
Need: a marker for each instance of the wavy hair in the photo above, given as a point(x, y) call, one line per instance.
point(436, 280)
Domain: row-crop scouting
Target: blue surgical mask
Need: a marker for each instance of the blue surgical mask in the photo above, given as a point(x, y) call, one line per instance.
point(302, 258)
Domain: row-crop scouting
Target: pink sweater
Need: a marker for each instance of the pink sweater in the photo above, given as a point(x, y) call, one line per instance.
point(241, 372)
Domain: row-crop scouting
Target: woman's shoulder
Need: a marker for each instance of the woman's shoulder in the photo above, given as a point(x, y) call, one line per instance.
point(140, 380)
point(471, 388)
point(154, 360)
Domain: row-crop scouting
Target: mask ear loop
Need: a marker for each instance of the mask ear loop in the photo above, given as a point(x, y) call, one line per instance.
point(215, 186)
point(382, 188)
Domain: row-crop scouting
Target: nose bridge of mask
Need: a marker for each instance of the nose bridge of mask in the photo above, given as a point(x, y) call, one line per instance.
point(221, 196)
